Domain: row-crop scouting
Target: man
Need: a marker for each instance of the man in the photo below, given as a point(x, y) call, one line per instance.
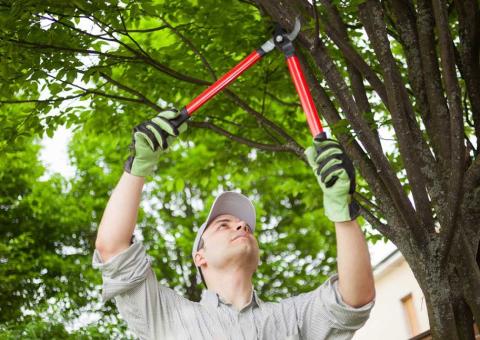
point(226, 254)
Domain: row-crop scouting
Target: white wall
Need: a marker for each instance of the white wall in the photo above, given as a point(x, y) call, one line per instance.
point(393, 281)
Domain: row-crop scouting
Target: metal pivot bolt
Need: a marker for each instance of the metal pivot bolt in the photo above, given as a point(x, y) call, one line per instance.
point(278, 38)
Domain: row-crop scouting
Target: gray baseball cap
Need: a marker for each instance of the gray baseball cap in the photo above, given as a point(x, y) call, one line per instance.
point(228, 202)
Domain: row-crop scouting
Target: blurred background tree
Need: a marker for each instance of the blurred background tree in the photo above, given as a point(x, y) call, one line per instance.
point(100, 68)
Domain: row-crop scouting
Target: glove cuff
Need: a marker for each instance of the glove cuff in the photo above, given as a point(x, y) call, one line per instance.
point(341, 211)
point(127, 166)
point(354, 209)
point(136, 167)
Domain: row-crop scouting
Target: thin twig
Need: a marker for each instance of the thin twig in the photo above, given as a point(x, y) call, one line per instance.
point(135, 92)
point(51, 100)
point(317, 24)
point(242, 140)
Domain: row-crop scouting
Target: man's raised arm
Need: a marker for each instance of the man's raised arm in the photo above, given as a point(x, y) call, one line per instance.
point(120, 216)
point(336, 175)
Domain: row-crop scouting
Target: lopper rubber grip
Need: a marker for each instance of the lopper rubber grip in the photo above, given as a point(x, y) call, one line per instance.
point(184, 116)
point(320, 137)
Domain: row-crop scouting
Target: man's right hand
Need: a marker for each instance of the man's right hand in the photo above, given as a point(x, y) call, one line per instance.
point(149, 139)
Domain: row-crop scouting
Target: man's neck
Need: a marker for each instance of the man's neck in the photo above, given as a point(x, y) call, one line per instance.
point(234, 287)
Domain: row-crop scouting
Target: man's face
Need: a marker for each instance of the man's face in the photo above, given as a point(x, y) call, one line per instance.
point(228, 241)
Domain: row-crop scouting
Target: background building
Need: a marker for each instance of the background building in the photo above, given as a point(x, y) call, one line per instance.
point(400, 310)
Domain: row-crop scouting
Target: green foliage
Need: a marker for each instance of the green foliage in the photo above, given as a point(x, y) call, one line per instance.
point(35, 327)
point(48, 226)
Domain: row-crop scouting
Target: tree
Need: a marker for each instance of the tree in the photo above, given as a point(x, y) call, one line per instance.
point(429, 87)
point(409, 69)
point(45, 250)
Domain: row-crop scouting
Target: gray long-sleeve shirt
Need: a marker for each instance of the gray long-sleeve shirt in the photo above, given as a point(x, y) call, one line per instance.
point(153, 311)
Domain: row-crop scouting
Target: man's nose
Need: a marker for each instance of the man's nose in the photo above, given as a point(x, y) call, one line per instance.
point(243, 225)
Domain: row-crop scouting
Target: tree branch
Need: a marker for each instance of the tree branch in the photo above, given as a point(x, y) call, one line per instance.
point(140, 53)
point(51, 100)
point(265, 86)
point(438, 109)
point(73, 28)
point(142, 98)
point(26, 44)
point(384, 229)
point(223, 120)
point(468, 267)
point(352, 56)
point(280, 101)
point(457, 163)
point(470, 208)
point(406, 128)
point(472, 176)
point(264, 121)
point(337, 28)
point(125, 32)
point(362, 198)
point(160, 67)
point(241, 140)
point(404, 20)
point(153, 29)
point(99, 93)
point(469, 29)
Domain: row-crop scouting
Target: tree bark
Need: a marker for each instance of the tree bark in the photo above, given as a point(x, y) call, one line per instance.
point(437, 291)
point(461, 310)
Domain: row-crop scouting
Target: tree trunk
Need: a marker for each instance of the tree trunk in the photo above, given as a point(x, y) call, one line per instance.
point(463, 320)
point(461, 309)
point(450, 293)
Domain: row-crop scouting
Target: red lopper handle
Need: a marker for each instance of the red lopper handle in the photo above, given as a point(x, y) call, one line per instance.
point(303, 91)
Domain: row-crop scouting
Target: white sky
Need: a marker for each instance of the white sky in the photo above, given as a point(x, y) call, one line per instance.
point(54, 153)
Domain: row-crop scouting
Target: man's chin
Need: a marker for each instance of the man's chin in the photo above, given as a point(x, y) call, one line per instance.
point(246, 250)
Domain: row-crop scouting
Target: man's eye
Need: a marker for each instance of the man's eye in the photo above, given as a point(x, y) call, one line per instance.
point(222, 225)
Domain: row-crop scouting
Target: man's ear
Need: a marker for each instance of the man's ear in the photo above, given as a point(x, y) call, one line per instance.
point(200, 258)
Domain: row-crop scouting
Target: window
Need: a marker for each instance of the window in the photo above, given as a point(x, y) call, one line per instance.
point(410, 315)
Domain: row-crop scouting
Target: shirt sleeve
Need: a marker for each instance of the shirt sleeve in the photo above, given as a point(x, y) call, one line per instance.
point(148, 308)
point(323, 314)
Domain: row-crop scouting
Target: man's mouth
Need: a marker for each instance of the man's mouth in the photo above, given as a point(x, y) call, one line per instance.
point(238, 236)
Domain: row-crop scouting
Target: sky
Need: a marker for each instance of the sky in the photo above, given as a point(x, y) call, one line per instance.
point(54, 156)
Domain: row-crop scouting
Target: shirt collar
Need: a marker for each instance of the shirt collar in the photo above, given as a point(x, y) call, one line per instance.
point(212, 299)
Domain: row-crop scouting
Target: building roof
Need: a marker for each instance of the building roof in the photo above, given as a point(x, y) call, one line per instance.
point(394, 257)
